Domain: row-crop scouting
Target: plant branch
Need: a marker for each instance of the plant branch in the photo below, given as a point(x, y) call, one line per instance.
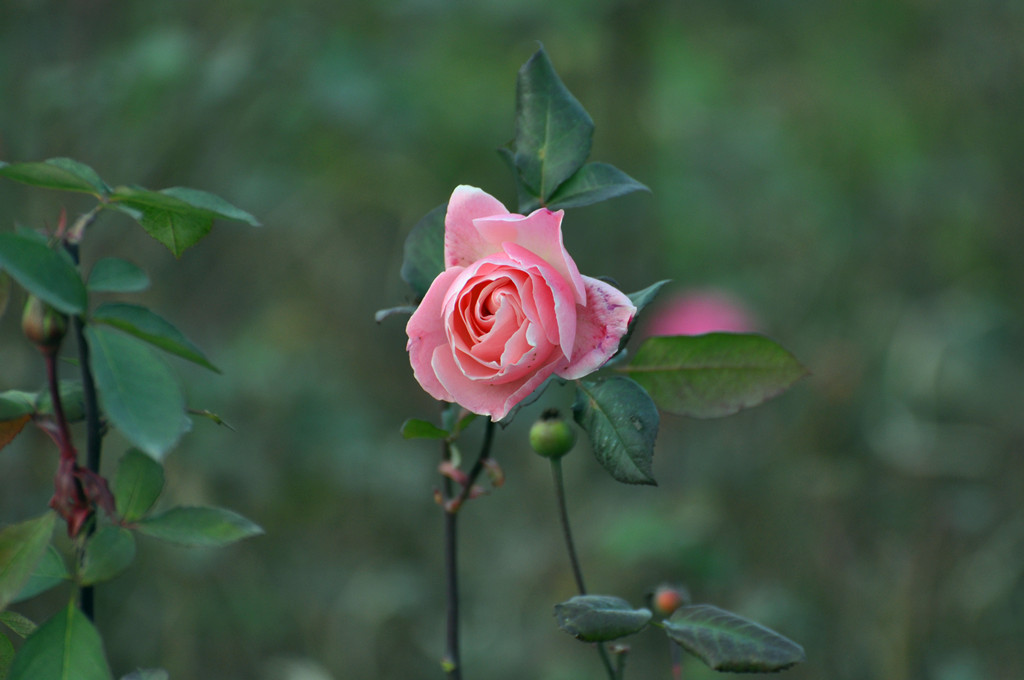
point(452, 662)
point(94, 433)
point(67, 450)
point(478, 467)
point(563, 515)
point(570, 546)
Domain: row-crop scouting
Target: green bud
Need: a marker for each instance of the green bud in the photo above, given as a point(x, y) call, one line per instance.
point(42, 324)
point(551, 436)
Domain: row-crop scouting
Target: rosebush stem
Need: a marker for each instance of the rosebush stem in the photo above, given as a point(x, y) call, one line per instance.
point(677, 660)
point(93, 430)
point(570, 546)
point(478, 466)
point(563, 515)
point(452, 659)
point(67, 451)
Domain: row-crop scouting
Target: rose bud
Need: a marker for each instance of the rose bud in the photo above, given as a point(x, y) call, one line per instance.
point(668, 598)
point(551, 436)
point(42, 324)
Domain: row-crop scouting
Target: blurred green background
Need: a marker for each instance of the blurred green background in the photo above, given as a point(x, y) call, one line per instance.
point(852, 172)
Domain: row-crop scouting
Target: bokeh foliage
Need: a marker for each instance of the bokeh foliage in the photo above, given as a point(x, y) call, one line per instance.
point(851, 171)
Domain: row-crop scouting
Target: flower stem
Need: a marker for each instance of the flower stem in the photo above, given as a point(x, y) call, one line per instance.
point(563, 514)
point(677, 660)
point(570, 546)
point(94, 433)
point(452, 662)
point(67, 450)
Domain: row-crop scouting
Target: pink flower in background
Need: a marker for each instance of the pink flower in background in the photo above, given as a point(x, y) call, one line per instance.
point(509, 310)
point(699, 311)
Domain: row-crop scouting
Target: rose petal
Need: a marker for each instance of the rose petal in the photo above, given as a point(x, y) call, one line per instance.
point(426, 332)
point(483, 398)
point(558, 310)
point(539, 232)
point(600, 326)
point(463, 243)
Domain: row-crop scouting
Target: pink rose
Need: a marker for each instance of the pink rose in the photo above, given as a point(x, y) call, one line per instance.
point(509, 310)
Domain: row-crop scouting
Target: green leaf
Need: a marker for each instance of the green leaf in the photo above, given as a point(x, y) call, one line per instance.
point(137, 484)
point(57, 173)
point(43, 272)
point(146, 325)
point(527, 201)
point(640, 300)
point(6, 656)
point(22, 546)
point(67, 647)
point(178, 217)
point(148, 674)
point(713, 375)
point(49, 573)
point(728, 642)
point(108, 552)
point(199, 527)
point(553, 131)
point(21, 625)
point(15, 403)
point(413, 428)
point(114, 275)
point(382, 314)
point(599, 618)
point(423, 252)
point(211, 203)
point(138, 392)
point(593, 183)
point(622, 423)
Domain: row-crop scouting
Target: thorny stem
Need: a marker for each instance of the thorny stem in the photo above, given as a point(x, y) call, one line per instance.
point(570, 546)
point(478, 466)
point(452, 662)
point(94, 434)
point(67, 451)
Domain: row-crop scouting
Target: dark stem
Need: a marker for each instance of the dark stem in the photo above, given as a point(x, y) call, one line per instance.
point(620, 665)
point(94, 433)
point(570, 546)
point(478, 466)
point(677, 660)
point(93, 438)
point(563, 515)
point(452, 659)
point(64, 434)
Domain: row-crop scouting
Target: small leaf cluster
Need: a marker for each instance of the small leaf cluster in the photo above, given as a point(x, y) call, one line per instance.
point(723, 640)
point(178, 217)
point(123, 384)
